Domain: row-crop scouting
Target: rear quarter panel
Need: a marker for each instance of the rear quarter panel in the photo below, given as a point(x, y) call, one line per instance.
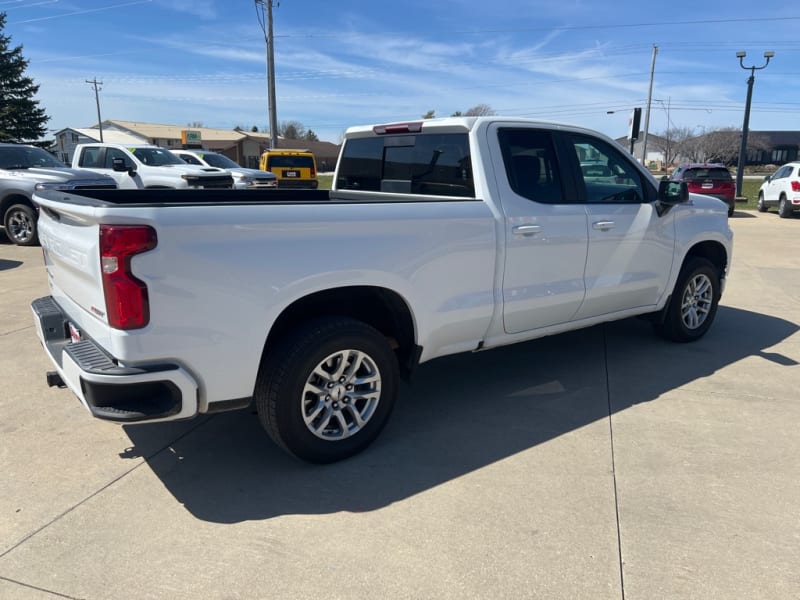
point(221, 275)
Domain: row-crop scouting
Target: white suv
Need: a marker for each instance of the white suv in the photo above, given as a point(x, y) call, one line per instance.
point(781, 189)
point(243, 178)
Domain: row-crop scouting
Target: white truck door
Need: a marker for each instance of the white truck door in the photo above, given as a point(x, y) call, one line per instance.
point(630, 246)
point(545, 230)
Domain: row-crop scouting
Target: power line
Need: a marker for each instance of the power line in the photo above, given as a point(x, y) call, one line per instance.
point(549, 29)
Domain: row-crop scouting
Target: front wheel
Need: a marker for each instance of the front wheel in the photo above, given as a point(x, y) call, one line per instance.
point(694, 302)
point(20, 224)
point(325, 391)
point(762, 205)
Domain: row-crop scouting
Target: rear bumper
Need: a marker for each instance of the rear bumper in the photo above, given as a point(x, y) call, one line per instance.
point(298, 184)
point(110, 391)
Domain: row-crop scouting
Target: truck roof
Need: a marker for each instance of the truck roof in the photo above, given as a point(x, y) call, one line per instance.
point(452, 124)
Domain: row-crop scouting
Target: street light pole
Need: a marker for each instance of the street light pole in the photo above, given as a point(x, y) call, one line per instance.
point(746, 123)
point(649, 102)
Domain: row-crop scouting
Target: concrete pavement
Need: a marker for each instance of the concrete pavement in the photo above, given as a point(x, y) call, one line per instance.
point(605, 463)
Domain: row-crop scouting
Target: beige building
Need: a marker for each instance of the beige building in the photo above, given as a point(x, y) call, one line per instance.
point(243, 147)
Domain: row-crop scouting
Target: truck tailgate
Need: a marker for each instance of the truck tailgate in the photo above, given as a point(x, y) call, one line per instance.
point(70, 244)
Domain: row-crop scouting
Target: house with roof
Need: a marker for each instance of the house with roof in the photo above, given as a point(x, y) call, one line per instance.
point(245, 148)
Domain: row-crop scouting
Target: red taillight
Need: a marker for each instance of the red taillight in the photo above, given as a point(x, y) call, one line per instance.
point(313, 169)
point(127, 304)
point(796, 186)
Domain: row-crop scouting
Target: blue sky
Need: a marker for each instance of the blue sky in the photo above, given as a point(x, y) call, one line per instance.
point(345, 62)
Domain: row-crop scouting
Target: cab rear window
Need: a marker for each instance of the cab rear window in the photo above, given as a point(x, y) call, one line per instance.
point(424, 164)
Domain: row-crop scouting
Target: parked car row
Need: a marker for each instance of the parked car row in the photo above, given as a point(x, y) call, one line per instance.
point(101, 165)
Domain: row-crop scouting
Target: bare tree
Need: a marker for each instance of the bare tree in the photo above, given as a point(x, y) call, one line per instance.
point(674, 143)
point(722, 145)
point(481, 110)
point(292, 130)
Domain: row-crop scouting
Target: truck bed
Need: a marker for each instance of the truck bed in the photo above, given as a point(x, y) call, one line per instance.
point(151, 197)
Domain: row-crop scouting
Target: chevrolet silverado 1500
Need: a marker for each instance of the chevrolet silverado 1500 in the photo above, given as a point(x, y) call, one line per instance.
point(438, 237)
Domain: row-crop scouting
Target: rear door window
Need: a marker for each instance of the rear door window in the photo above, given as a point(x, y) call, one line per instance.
point(530, 160)
point(426, 164)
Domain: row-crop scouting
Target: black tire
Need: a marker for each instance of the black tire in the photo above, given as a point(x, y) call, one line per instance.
point(693, 304)
point(730, 211)
point(784, 208)
point(20, 223)
point(762, 205)
point(296, 362)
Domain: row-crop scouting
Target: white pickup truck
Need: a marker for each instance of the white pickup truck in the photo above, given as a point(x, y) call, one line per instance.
point(438, 237)
point(143, 166)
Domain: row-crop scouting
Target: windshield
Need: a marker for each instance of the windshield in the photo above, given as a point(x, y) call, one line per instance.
point(156, 157)
point(219, 160)
point(27, 157)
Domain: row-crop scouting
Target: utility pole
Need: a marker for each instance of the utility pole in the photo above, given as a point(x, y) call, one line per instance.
point(266, 27)
point(97, 89)
point(649, 101)
point(746, 124)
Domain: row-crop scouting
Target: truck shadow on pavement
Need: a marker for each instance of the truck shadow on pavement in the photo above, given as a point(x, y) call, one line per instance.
point(7, 265)
point(459, 414)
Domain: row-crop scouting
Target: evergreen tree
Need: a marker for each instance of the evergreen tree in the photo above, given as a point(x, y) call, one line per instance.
point(21, 118)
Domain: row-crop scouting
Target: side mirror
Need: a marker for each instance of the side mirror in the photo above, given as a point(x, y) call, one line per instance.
point(118, 164)
point(673, 192)
point(768, 178)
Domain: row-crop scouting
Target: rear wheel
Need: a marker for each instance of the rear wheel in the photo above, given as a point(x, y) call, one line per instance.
point(762, 205)
point(784, 208)
point(325, 391)
point(20, 224)
point(693, 304)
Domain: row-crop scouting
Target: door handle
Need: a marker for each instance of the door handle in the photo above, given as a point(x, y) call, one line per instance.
point(526, 230)
point(603, 225)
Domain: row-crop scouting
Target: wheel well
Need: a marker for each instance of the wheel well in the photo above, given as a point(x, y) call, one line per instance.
point(714, 252)
point(9, 201)
point(381, 308)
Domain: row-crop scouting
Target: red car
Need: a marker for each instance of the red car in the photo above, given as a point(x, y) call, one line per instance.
point(711, 179)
